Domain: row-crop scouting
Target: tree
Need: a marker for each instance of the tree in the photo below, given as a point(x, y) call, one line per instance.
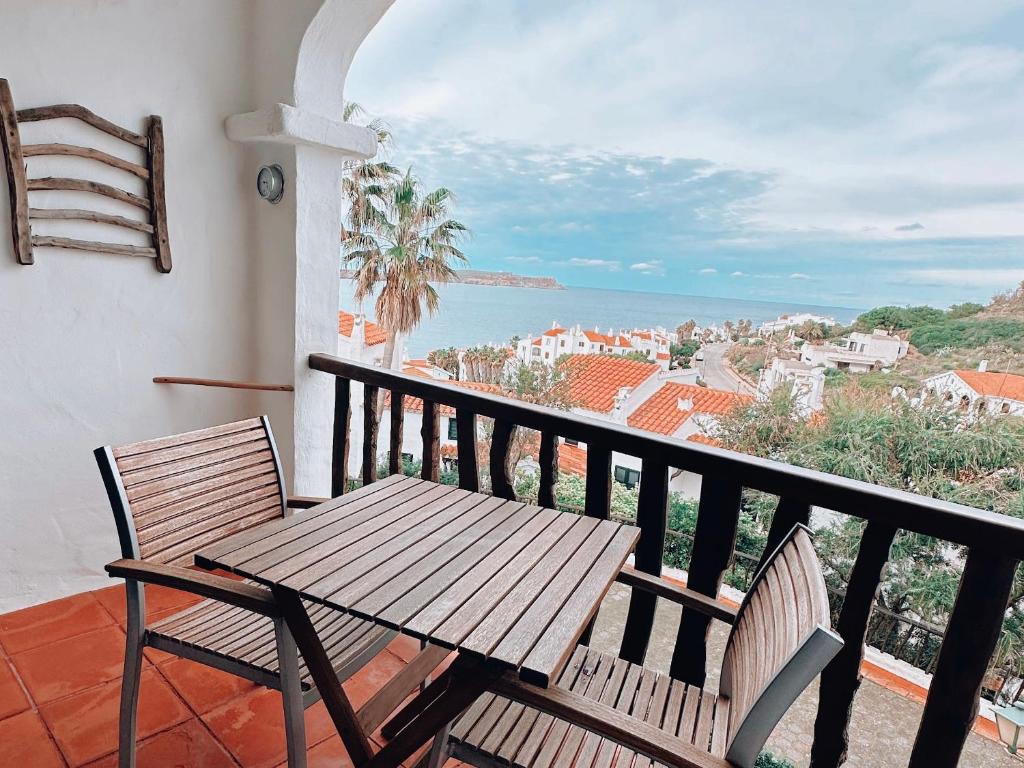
point(408, 242)
point(727, 326)
point(446, 358)
point(364, 179)
point(485, 363)
point(685, 330)
point(811, 331)
point(745, 328)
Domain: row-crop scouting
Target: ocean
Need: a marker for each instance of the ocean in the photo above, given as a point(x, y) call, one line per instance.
point(482, 314)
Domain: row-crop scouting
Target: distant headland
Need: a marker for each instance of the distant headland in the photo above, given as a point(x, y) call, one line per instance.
point(483, 277)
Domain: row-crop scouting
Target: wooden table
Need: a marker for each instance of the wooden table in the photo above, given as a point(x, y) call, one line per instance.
point(508, 586)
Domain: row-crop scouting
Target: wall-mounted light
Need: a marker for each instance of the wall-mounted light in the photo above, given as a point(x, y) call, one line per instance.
point(270, 183)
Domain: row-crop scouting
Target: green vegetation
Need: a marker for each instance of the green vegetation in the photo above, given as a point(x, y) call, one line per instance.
point(868, 436)
point(967, 333)
point(768, 760)
point(683, 352)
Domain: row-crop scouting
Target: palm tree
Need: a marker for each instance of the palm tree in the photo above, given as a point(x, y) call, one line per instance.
point(406, 242)
point(363, 179)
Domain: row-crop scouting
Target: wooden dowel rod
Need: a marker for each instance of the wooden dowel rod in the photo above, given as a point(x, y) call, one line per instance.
point(223, 383)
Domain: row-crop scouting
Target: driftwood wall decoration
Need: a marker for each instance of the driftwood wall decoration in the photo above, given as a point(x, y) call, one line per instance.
point(152, 173)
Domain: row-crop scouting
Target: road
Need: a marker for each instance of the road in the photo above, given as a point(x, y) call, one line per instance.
point(717, 374)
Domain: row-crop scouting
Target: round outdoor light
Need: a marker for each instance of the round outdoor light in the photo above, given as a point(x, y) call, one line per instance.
point(1009, 721)
point(270, 183)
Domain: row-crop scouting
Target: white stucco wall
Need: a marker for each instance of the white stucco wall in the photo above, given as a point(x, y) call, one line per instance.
point(82, 335)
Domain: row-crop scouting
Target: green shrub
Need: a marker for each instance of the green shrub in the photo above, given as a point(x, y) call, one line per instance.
point(968, 333)
point(768, 760)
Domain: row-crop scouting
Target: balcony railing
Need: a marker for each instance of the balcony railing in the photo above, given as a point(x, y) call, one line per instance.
point(995, 543)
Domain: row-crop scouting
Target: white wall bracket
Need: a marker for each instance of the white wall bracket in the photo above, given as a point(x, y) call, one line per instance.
point(284, 124)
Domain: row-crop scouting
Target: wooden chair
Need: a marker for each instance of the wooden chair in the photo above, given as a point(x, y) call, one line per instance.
point(175, 495)
point(608, 712)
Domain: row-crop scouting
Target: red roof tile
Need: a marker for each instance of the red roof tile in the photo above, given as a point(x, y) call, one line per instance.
point(664, 356)
point(661, 413)
point(595, 380)
point(373, 333)
point(415, 404)
point(992, 384)
point(700, 437)
point(554, 331)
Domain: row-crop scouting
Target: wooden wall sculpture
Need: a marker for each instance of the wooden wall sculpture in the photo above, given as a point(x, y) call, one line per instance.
point(152, 173)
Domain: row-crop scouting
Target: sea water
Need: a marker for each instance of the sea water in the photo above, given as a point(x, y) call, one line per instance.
point(470, 315)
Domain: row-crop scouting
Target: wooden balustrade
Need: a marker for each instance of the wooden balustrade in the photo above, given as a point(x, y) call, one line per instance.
point(995, 542)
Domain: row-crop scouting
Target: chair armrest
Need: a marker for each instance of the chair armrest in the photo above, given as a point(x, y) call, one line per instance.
point(249, 596)
point(611, 723)
point(686, 597)
point(304, 502)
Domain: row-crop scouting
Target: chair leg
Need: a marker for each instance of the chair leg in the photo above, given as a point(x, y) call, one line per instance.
point(135, 627)
point(291, 694)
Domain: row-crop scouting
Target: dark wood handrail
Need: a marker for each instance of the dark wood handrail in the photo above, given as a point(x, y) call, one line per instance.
point(934, 517)
point(995, 542)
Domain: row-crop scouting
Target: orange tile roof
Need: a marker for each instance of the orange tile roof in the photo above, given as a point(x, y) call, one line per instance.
point(646, 335)
point(419, 363)
point(660, 412)
point(572, 459)
point(598, 338)
point(449, 451)
point(664, 356)
point(536, 342)
point(595, 380)
point(992, 384)
point(700, 437)
point(415, 404)
point(554, 331)
point(416, 372)
point(372, 332)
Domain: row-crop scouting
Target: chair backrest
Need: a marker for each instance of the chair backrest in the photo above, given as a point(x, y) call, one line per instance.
point(780, 642)
point(174, 495)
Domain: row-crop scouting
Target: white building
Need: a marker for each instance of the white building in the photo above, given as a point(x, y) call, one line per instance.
point(858, 352)
point(655, 343)
point(784, 322)
point(805, 383)
point(998, 394)
point(360, 339)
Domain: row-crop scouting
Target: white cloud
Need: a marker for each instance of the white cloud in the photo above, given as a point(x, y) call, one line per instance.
point(799, 276)
point(968, 278)
point(928, 93)
point(653, 267)
point(737, 273)
point(596, 263)
point(524, 259)
point(635, 170)
point(709, 271)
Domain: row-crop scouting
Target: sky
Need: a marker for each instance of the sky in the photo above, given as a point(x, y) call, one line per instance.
point(845, 154)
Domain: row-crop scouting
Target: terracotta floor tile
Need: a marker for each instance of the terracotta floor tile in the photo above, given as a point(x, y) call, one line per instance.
point(12, 697)
point(85, 725)
point(368, 680)
point(188, 745)
point(41, 624)
point(252, 727)
point(25, 743)
point(159, 601)
point(204, 688)
point(71, 665)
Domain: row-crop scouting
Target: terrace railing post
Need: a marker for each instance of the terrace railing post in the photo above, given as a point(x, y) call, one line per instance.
point(713, 543)
point(469, 473)
point(430, 433)
point(841, 678)
point(548, 469)
point(501, 472)
point(371, 431)
point(340, 441)
point(395, 437)
point(971, 636)
point(652, 511)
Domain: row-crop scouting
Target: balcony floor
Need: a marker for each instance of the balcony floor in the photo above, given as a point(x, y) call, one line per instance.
point(60, 668)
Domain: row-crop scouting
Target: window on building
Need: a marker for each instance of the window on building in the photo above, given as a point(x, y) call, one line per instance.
point(453, 429)
point(628, 477)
